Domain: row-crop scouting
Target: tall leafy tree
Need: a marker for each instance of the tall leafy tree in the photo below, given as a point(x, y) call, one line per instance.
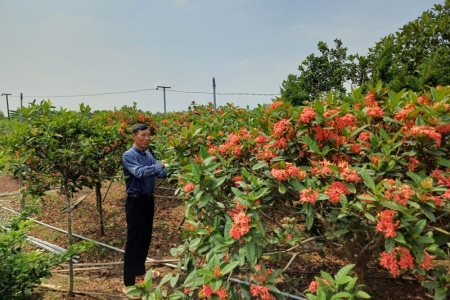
point(324, 73)
point(417, 55)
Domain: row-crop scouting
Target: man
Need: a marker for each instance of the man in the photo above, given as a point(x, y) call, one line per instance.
point(140, 169)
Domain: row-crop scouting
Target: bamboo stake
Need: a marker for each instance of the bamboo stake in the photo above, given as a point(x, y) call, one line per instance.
point(157, 261)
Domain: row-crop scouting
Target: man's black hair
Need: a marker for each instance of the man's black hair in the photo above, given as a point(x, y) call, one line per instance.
point(138, 127)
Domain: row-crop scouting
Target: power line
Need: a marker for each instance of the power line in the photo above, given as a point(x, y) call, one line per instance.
point(88, 95)
point(242, 94)
point(144, 90)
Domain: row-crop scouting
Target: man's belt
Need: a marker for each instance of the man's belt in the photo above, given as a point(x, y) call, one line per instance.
point(140, 196)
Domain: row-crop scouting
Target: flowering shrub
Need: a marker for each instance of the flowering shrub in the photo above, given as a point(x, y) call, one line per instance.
point(367, 176)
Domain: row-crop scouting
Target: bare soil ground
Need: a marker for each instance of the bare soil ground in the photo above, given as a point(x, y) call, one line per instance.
point(105, 282)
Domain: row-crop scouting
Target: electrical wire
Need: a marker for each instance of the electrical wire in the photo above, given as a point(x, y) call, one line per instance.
point(89, 95)
point(144, 90)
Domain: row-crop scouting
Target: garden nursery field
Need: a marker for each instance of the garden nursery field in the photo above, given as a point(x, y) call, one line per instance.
point(340, 198)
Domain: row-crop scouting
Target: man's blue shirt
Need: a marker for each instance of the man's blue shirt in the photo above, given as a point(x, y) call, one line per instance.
point(140, 169)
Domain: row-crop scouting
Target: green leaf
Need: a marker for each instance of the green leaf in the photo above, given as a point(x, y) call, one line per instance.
point(431, 284)
point(443, 162)
point(311, 143)
point(420, 225)
point(393, 205)
point(340, 232)
point(261, 192)
point(318, 106)
point(416, 178)
point(204, 199)
point(429, 214)
point(424, 240)
point(217, 182)
point(297, 185)
point(250, 250)
point(370, 217)
point(327, 277)
point(206, 273)
point(215, 283)
point(343, 271)
point(351, 187)
point(362, 294)
point(274, 289)
point(341, 295)
point(196, 172)
point(259, 165)
point(309, 221)
point(368, 181)
point(400, 238)
point(389, 244)
point(238, 193)
point(282, 189)
point(229, 267)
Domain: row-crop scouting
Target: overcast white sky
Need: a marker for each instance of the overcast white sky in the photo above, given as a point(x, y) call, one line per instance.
point(54, 48)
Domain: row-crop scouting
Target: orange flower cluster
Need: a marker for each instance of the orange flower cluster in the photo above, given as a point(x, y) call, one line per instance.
point(348, 174)
point(321, 168)
point(413, 164)
point(275, 105)
point(423, 131)
point(209, 292)
point(335, 190)
point(399, 259)
point(442, 177)
point(307, 115)
point(376, 112)
point(371, 99)
point(308, 195)
point(402, 114)
point(314, 285)
point(290, 171)
point(259, 290)
point(386, 223)
point(400, 194)
point(281, 127)
point(240, 226)
point(373, 110)
point(232, 145)
point(345, 121)
point(189, 187)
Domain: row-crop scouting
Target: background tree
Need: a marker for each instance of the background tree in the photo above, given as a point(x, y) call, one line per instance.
point(413, 58)
point(324, 73)
point(417, 55)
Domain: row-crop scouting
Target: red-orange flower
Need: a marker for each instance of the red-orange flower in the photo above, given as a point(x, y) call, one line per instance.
point(189, 187)
point(307, 115)
point(386, 223)
point(308, 195)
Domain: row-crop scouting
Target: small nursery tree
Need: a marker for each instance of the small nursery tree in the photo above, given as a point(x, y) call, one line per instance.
point(22, 269)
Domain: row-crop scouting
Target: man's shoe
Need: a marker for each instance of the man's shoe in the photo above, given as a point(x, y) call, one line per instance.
point(155, 274)
point(127, 289)
point(140, 278)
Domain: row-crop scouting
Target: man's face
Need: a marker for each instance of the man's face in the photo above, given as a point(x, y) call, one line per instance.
point(141, 139)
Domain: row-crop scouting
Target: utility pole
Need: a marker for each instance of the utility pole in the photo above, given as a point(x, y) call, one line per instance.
point(7, 104)
point(164, 92)
point(214, 91)
point(22, 196)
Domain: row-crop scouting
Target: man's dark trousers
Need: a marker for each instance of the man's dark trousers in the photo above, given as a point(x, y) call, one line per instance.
point(139, 213)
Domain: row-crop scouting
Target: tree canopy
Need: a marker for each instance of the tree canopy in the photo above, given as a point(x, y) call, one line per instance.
point(414, 58)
